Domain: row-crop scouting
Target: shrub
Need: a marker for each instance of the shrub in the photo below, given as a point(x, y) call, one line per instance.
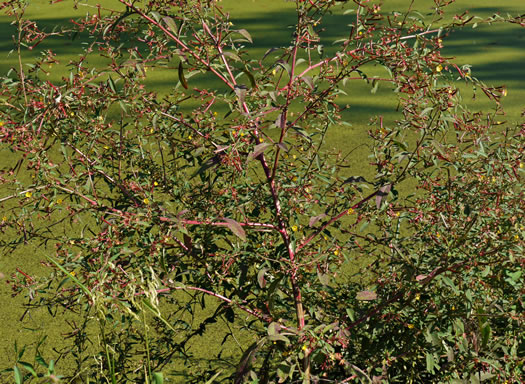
point(226, 196)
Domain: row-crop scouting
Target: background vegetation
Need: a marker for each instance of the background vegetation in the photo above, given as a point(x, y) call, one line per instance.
point(496, 55)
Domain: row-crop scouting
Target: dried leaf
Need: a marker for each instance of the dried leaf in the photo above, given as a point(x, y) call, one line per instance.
point(366, 295)
point(182, 79)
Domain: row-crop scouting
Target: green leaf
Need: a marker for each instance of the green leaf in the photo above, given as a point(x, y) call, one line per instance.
point(260, 277)
point(430, 362)
point(170, 24)
point(18, 376)
point(285, 66)
point(77, 282)
point(232, 55)
point(259, 148)
point(244, 33)
point(251, 77)
point(212, 379)
point(309, 81)
point(274, 333)
point(486, 331)
point(28, 367)
point(240, 91)
point(157, 378)
point(236, 228)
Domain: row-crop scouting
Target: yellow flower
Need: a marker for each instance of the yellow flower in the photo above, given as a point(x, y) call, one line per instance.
point(438, 235)
point(4, 218)
point(59, 201)
point(350, 211)
point(294, 228)
point(439, 68)
point(304, 348)
point(155, 183)
point(397, 214)
point(146, 201)
point(28, 194)
point(151, 130)
point(189, 137)
point(261, 139)
point(73, 273)
point(215, 113)
point(521, 165)
point(325, 238)
point(72, 113)
point(504, 92)
point(336, 252)
point(106, 147)
point(242, 133)
point(453, 308)
point(410, 326)
point(1, 124)
point(274, 72)
point(360, 33)
point(440, 41)
point(294, 157)
point(516, 237)
point(417, 297)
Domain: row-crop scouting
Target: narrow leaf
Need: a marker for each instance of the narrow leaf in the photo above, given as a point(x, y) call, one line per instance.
point(366, 295)
point(240, 91)
point(315, 219)
point(382, 193)
point(261, 279)
point(259, 148)
point(251, 77)
point(182, 79)
point(309, 81)
point(18, 375)
point(171, 24)
point(245, 34)
point(232, 55)
point(236, 228)
point(157, 378)
point(212, 379)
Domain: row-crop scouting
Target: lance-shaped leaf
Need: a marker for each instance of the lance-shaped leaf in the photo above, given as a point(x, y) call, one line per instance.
point(259, 148)
point(244, 33)
point(382, 193)
point(366, 295)
point(285, 66)
point(355, 179)
point(246, 361)
point(309, 81)
point(251, 77)
point(170, 23)
point(261, 279)
point(236, 228)
point(315, 219)
point(274, 333)
point(182, 79)
point(232, 55)
point(240, 91)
